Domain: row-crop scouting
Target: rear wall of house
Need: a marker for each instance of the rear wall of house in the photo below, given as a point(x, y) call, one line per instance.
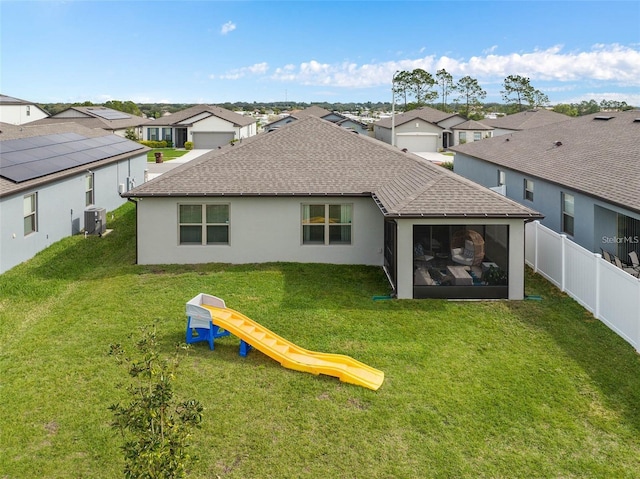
point(261, 229)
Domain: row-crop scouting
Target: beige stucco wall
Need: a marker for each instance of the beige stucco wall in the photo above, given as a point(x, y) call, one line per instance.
point(405, 252)
point(262, 229)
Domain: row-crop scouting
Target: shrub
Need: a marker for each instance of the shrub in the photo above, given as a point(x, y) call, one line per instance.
point(188, 145)
point(130, 134)
point(155, 426)
point(154, 143)
point(448, 165)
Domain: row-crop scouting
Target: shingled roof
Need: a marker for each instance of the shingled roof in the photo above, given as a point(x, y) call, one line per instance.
point(430, 115)
point(314, 157)
point(598, 155)
point(190, 115)
point(94, 117)
point(526, 120)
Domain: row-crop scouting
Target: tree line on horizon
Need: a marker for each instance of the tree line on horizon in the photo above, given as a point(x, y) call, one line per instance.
point(412, 89)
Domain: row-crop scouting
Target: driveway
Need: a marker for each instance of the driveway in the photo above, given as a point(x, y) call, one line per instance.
point(154, 170)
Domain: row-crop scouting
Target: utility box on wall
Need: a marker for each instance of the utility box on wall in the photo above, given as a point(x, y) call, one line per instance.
point(95, 221)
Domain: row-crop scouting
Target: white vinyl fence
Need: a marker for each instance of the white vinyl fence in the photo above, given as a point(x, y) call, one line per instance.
point(609, 293)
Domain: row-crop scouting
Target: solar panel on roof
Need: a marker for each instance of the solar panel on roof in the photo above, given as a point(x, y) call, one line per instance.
point(108, 114)
point(29, 158)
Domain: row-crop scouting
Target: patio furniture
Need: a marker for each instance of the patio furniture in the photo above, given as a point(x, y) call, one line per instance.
point(422, 278)
point(467, 247)
point(606, 255)
point(625, 267)
point(460, 276)
point(635, 262)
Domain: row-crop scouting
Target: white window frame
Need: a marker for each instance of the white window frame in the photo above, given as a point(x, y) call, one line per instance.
point(477, 135)
point(204, 225)
point(566, 214)
point(326, 224)
point(89, 190)
point(528, 189)
point(30, 213)
point(156, 130)
point(462, 136)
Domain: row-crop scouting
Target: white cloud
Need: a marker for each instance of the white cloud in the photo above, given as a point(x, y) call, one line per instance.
point(613, 63)
point(255, 69)
point(227, 27)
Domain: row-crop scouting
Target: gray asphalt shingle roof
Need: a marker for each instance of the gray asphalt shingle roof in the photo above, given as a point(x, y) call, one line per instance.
point(91, 118)
point(526, 120)
point(598, 157)
point(427, 114)
point(472, 125)
point(314, 157)
point(182, 116)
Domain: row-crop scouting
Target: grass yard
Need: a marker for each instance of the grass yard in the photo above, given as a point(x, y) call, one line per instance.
point(531, 389)
point(167, 154)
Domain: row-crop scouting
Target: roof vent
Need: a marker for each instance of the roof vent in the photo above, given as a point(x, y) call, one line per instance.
point(557, 143)
point(636, 120)
point(602, 117)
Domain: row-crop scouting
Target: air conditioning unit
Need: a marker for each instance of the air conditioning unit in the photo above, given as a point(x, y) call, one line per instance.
point(95, 221)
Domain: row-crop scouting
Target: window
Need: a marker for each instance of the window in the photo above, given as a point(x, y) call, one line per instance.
point(30, 210)
point(502, 178)
point(28, 110)
point(166, 134)
point(88, 188)
point(477, 136)
point(204, 224)
point(567, 214)
point(528, 190)
point(462, 136)
point(152, 134)
point(326, 224)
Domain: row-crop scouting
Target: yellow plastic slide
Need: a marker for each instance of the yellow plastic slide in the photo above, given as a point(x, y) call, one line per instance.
point(291, 356)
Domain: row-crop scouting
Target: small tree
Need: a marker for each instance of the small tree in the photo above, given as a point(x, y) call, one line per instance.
point(155, 427)
point(445, 86)
point(470, 92)
point(421, 86)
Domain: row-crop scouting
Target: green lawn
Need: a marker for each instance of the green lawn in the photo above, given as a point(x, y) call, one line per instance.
point(167, 154)
point(531, 389)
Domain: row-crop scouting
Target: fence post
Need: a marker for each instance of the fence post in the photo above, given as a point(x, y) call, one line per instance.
point(637, 339)
point(536, 225)
point(598, 271)
point(563, 261)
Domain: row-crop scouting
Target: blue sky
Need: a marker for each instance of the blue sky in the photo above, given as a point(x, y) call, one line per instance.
point(306, 51)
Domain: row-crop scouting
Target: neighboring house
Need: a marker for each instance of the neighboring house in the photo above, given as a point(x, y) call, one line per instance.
point(207, 126)
point(18, 112)
point(113, 121)
point(421, 130)
point(51, 176)
point(313, 192)
point(524, 120)
point(318, 112)
point(583, 174)
point(470, 131)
